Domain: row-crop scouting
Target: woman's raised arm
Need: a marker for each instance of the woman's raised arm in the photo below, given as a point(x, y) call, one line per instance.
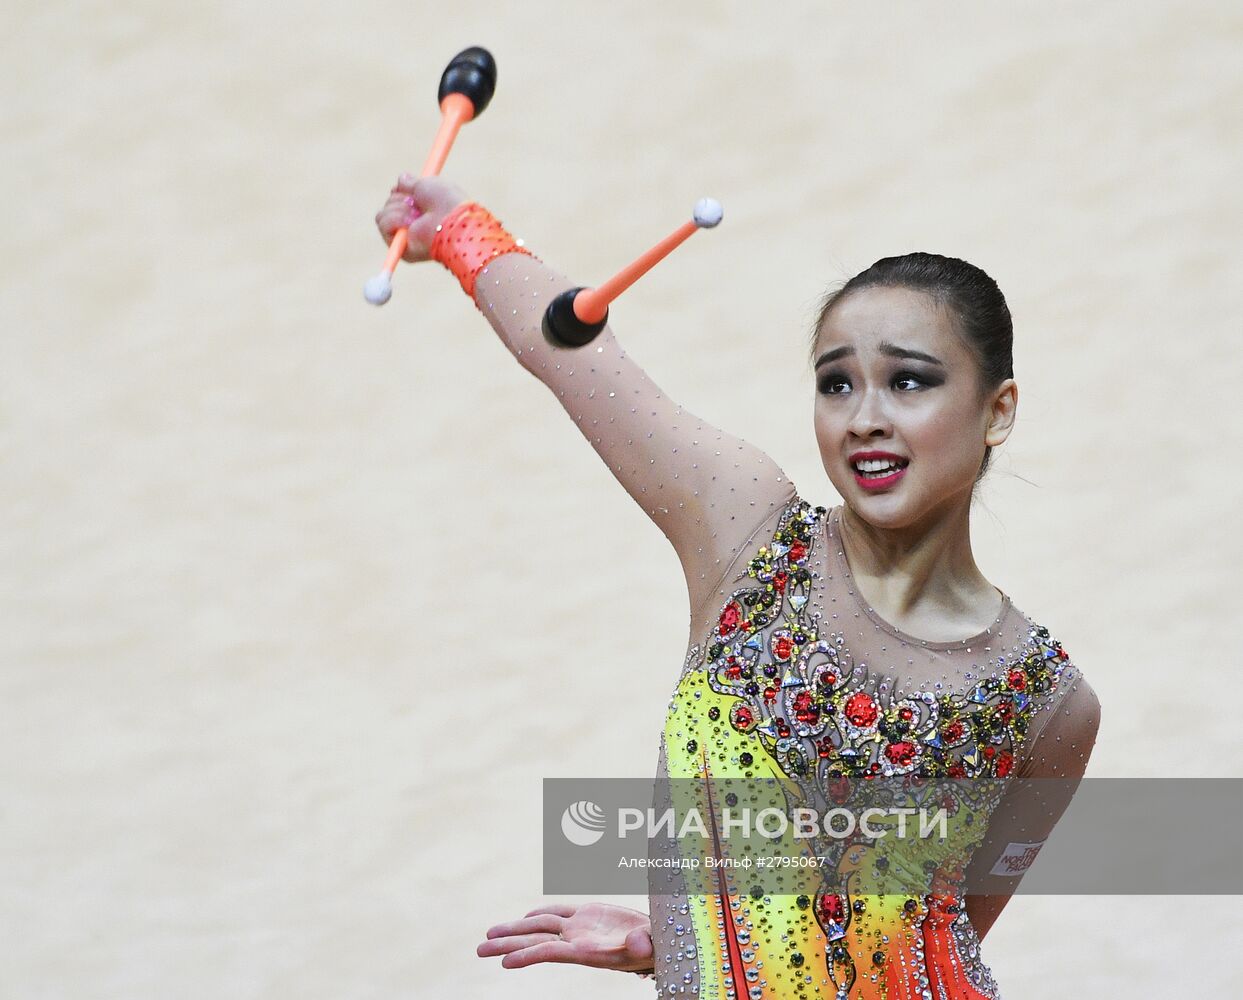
point(705, 489)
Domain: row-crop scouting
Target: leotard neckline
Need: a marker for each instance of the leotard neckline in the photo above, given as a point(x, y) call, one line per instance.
point(834, 537)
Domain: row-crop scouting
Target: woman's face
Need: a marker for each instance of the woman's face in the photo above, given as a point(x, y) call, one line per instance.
point(894, 376)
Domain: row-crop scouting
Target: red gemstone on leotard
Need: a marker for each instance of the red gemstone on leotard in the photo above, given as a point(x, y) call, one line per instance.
point(901, 753)
point(804, 710)
point(797, 551)
point(729, 618)
point(783, 647)
point(861, 709)
point(832, 908)
point(1018, 680)
point(1005, 761)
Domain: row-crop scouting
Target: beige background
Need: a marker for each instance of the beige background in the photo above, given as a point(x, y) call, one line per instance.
point(302, 599)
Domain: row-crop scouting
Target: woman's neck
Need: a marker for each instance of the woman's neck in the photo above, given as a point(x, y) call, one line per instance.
point(921, 577)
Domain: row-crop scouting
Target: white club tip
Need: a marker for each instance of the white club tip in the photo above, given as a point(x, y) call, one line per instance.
point(379, 289)
point(708, 213)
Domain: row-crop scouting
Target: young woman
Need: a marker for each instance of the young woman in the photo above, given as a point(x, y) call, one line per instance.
point(857, 641)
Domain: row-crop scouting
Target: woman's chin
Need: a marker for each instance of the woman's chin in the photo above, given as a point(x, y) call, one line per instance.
point(891, 509)
point(879, 514)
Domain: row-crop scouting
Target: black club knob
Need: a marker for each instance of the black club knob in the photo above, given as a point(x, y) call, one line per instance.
point(472, 73)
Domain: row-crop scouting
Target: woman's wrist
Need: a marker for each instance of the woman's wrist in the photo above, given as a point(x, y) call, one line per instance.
point(467, 238)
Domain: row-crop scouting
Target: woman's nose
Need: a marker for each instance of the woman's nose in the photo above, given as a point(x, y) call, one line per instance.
point(869, 415)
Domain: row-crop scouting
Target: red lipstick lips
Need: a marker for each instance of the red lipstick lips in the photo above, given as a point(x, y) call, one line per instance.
point(878, 482)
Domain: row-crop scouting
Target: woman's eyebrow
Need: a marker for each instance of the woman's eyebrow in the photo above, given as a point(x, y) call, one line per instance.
point(832, 355)
point(893, 350)
point(905, 352)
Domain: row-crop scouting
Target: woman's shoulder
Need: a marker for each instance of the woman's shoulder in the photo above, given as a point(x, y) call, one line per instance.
point(1041, 645)
point(1064, 711)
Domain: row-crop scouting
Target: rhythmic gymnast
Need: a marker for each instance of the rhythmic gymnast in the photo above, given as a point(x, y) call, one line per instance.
point(858, 640)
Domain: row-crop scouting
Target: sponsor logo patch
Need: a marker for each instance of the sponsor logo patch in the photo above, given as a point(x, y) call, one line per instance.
point(1016, 859)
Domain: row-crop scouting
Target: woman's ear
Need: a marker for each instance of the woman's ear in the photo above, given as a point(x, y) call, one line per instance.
point(1003, 407)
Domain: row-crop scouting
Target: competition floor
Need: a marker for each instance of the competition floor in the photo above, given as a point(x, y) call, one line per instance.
point(302, 599)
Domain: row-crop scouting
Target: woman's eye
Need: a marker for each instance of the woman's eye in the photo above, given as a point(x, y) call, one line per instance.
point(835, 385)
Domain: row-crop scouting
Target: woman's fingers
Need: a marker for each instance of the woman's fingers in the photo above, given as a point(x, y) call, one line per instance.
point(527, 925)
point(430, 194)
point(560, 909)
point(395, 213)
point(417, 204)
point(516, 942)
point(550, 951)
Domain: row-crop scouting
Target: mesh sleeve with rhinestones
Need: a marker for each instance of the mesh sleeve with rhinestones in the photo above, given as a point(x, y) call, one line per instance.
point(704, 488)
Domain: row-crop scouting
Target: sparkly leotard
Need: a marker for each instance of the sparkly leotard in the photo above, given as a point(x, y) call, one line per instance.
point(789, 674)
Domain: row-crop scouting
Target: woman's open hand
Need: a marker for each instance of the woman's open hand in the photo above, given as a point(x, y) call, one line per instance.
point(598, 935)
point(419, 203)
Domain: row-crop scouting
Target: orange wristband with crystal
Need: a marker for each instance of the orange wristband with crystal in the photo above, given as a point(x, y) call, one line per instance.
point(467, 238)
